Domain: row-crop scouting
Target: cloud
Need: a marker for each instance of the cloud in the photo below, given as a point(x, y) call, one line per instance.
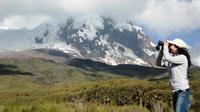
point(195, 56)
point(169, 16)
point(58, 10)
point(17, 22)
point(161, 16)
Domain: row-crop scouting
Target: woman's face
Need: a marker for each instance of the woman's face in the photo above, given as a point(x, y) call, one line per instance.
point(173, 49)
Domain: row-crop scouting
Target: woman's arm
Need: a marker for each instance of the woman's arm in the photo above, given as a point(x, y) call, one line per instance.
point(179, 59)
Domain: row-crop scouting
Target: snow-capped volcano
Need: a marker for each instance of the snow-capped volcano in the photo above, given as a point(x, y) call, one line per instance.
point(96, 38)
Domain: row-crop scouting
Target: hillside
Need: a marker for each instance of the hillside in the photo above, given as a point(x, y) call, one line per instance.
point(42, 71)
point(53, 66)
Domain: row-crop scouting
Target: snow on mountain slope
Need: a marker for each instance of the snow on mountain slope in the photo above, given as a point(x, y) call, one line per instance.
point(95, 37)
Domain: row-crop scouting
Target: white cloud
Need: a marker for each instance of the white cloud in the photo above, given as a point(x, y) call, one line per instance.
point(161, 16)
point(59, 10)
point(196, 61)
point(195, 56)
point(17, 22)
point(168, 16)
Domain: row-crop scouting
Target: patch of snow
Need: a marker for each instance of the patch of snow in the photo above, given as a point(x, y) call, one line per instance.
point(128, 52)
point(89, 33)
point(113, 55)
point(88, 51)
point(94, 21)
point(142, 32)
point(81, 34)
point(127, 25)
point(109, 59)
point(148, 52)
point(121, 25)
point(137, 28)
point(152, 44)
point(66, 48)
point(140, 61)
point(73, 35)
point(103, 40)
point(139, 36)
point(121, 30)
point(80, 40)
point(89, 26)
point(97, 42)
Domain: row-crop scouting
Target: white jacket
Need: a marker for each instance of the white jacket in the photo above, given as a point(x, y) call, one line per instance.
point(178, 69)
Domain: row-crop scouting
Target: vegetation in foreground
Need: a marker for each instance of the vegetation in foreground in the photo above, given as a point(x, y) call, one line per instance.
point(71, 107)
point(119, 95)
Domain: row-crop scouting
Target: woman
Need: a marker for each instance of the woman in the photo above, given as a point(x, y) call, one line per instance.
point(176, 54)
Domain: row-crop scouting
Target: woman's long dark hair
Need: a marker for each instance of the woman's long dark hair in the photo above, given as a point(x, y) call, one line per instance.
point(186, 53)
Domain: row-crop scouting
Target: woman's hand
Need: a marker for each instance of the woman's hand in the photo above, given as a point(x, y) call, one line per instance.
point(166, 44)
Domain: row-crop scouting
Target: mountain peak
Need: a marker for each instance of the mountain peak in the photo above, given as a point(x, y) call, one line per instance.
point(112, 41)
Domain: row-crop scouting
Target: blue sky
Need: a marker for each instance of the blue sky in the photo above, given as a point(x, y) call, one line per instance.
point(191, 37)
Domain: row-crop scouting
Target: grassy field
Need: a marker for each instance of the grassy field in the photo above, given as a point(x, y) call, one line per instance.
point(37, 85)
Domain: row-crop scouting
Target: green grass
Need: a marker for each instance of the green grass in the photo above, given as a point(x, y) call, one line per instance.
point(71, 107)
point(115, 93)
point(47, 72)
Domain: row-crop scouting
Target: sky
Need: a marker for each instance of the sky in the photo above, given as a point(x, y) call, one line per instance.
point(160, 19)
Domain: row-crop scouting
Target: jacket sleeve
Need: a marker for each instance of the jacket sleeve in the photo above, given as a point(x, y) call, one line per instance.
point(179, 59)
point(159, 58)
point(160, 61)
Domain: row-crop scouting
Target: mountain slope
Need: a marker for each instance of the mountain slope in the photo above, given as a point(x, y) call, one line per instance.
point(47, 72)
point(107, 40)
point(97, 38)
point(53, 66)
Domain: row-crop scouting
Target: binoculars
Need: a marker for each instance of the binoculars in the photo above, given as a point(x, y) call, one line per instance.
point(160, 44)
